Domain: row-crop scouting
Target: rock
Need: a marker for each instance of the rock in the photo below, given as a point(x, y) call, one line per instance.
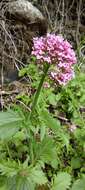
point(23, 9)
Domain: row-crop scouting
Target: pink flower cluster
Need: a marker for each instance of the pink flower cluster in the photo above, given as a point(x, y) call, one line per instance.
point(53, 49)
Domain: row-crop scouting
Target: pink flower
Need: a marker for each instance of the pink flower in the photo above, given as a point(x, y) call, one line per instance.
point(62, 76)
point(46, 85)
point(53, 49)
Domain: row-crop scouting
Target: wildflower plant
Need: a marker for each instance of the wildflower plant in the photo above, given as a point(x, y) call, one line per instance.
point(54, 50)
point(37, 151)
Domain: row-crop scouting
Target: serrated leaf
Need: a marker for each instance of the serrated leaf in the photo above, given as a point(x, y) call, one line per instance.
point(75, 162)
point(8, 131)
point(19, 178)
point(54, 124)
point(79, 184)
point(50, 122)
point(46, 151)
point(9, 117)
point(62, 181)
point(9, 124)
point(11, 183)
point(8, 168)
point(37, 176)
point(54, 163)
point(64, 138)
point(25, 184)
point(33, 176)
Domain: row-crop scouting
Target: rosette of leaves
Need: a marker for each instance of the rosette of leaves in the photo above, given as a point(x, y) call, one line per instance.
point(17, 176)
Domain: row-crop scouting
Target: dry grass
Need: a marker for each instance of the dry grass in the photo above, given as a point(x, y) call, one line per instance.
point(65, 17)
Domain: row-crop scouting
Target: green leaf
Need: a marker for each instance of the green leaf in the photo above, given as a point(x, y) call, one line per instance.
point(30, 177)
point(3, 188)
point(24, 184)
point(54, 124)
point(9, 117)
point(42, 132)
point(46, 151)
point(37, 176)
point(23, 71)
point(11, 183)
point(8, 131)
point(79, 184)
point(8, 168)
point(50, 122)
point(2, 183)
point(62, 181)
point(52, 99)
point(20, 177)
point(75, 162)
point(2, 179)
point(9, 124)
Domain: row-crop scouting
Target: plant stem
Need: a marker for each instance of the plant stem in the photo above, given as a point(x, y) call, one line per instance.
point(8, 151)
point(39, 90)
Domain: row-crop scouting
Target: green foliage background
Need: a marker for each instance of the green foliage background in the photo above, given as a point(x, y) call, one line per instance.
point(47, 150)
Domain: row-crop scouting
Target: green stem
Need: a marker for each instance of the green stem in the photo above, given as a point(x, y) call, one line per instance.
point(39, 89)
point(8, 151)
